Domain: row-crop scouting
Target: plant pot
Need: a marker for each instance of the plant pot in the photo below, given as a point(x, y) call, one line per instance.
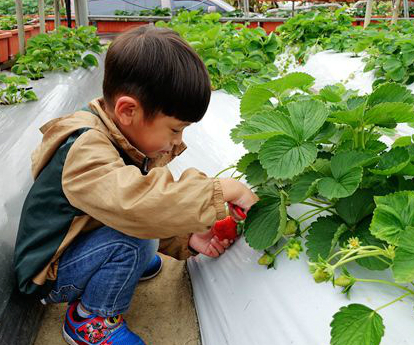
point(50, 22)
point(253, 25)
point(116, 26)
point(28, 32)
point(4, 45)
point(13, 44)
point(36, 30)
point(270, 26)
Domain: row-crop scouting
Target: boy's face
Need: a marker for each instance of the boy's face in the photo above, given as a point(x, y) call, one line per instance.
point(152, 137)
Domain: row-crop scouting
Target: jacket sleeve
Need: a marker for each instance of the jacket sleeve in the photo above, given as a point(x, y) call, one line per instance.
point(96, 180)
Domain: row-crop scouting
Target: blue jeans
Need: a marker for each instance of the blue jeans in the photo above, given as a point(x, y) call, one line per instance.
point(102, 268)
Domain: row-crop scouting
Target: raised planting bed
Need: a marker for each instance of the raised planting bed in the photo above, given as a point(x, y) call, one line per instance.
point(13, 39)
point(50, 22)
point(270, 26)
point(4, 46)
point(113, 27)
point(114, 24)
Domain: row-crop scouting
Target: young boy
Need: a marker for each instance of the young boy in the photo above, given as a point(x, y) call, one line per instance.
point(102, 195)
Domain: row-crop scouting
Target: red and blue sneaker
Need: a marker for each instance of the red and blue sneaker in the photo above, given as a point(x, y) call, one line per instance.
point(97, 330)
point(153, 268)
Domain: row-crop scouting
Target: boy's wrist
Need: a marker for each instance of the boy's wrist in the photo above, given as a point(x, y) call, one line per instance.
point(230, 188)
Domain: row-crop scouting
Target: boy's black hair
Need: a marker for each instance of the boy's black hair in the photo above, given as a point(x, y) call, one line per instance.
point(158, 68)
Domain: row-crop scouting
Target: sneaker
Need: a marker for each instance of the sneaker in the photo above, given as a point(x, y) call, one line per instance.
point(153, 268)
point(97, 330)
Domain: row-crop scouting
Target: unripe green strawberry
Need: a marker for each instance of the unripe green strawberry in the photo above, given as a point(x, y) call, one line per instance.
point(266, 259)
point(343, 281)
point(291, 227)
point(320, 276)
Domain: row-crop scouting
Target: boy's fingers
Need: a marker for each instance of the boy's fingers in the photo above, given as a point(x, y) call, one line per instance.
point(226, 243)
point(216, 244)
point(212, 251)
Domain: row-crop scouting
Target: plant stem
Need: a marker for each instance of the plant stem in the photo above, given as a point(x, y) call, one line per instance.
point(355, 134)
point(396, 300)
point(311, 204)
point(363, 138)
point(321, 201)
point(386, 282)
point(306, 229)
point(314, 213)
point(224, 170)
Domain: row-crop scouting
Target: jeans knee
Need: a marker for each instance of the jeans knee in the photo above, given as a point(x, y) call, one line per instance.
point(140, 252)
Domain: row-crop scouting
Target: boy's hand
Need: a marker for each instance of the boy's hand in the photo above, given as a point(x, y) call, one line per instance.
point(208, 244)
point(238, 194)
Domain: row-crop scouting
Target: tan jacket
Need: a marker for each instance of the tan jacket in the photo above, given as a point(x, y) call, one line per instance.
point(96, 180)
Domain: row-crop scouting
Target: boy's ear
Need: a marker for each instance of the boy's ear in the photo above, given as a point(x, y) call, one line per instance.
point(126, 109)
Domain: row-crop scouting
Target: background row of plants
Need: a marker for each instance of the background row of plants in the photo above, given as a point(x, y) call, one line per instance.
point(387, 49)
point(62, 50)
point(9, 22)
point(322, 150)
point(8, 7)
point(236, 56)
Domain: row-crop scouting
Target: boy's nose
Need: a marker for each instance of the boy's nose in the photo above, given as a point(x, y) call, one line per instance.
point(178, 139)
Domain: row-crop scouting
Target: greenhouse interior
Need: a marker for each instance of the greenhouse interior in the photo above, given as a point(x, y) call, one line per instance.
point(186, 147)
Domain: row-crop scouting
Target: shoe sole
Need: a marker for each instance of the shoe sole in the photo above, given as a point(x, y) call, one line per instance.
point(154, 274)
point(67, 337)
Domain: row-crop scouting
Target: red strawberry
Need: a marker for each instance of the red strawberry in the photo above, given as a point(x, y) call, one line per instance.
point(225, 229)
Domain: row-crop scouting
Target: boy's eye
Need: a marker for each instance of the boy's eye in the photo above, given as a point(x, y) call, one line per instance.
point(175, 131)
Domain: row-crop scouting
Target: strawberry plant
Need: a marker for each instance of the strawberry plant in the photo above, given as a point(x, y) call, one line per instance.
point(310, 29)
point(322, 150)
point(157, 11)
point(10, 22)
point(59, 51)
point(235, 56)
point(14, 90)
point(29, 6)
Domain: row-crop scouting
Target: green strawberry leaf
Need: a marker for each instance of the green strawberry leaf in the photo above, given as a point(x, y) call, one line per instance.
point(320, 237)
point(353, 117)
point(284, 157)
point(291, 81)
point(356, 207)
point(253, 100)
point(389, 113)
point(392, 162)
point(255, 174)
point(267, 125)
point(244, 162)
point(89, 59)
point(346, 174)
point(393, 213)
point(342, 162)
point(402, 141)
point(330, 93)
point(304, 186)
point(340, 187)
point(307, 117)
point(375, 146)
point(403, 267)
point(390, 92)
point(356, 324)
point(262, 223)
